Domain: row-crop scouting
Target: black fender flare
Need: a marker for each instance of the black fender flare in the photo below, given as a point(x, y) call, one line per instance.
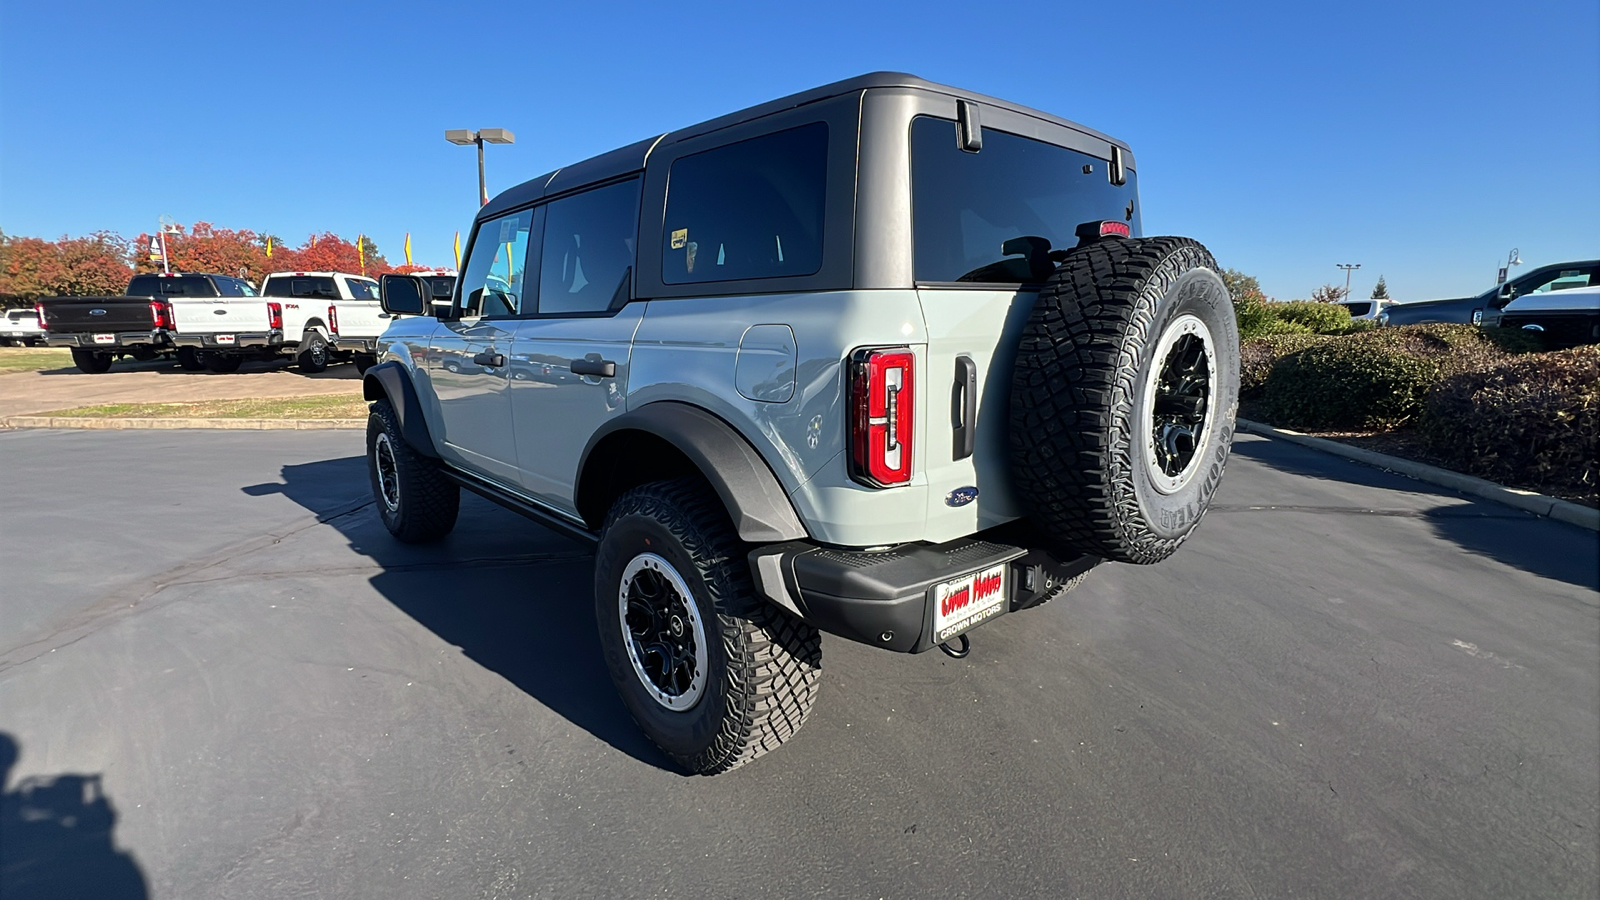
point(755, 500)
point(392, 381)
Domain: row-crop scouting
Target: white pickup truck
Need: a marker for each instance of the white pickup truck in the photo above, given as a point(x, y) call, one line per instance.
point(325, 316)
point(21, 327)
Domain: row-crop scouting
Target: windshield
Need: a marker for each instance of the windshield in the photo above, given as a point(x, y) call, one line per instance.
point(171, 286)
point(969, 209)
point(301, 286)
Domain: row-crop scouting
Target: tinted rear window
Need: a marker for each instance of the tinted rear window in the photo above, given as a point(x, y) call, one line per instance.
point(966, 205)
point(753, 209)
point(442, 287)
point(301, 286)
point(171, 286)
point(362, 290)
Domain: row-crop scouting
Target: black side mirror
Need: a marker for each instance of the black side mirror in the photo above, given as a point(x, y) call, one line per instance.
point(404, 295)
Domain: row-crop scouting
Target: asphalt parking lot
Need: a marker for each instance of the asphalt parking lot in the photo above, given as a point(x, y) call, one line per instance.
point(1347, 685)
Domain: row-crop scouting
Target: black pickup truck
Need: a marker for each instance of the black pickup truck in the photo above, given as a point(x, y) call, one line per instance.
point(100, 330)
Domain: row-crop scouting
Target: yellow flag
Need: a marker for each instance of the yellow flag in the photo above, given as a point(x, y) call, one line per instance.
point(458, 250)
point(361, 252)
point(408, 248)
point(269, 246)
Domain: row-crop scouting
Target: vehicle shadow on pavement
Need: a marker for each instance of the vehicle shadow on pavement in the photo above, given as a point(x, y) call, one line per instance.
point(517, 598)
point(56, 838)
point(1510, 536)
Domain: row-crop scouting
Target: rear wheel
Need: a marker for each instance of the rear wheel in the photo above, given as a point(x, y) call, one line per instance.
point(189, 359)
point(222, 363)
point(314, 351)
point(714, 675)
point(91, 362)
point(1123, 397)
point(415, 501)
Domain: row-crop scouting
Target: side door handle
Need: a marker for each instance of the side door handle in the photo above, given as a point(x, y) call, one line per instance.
point(490, 360)
point(964, 408)
point(604, 368)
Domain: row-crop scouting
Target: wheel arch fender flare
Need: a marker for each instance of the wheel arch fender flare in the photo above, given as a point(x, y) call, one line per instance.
point(391, 381)
point(754, 498)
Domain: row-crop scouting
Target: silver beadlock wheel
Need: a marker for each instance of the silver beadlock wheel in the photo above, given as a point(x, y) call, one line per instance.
point(1176, 403)
point(388, 473)
point(662, 629)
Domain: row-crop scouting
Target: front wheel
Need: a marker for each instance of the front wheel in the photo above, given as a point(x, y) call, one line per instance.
point(91, 362)
point(416, 502)
point(715, 676)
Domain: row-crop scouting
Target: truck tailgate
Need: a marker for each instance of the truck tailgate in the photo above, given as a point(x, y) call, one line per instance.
point(83, 315)
point(219, 315)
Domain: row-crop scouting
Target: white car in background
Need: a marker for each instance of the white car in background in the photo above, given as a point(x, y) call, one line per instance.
point(21, 327)
point(326, 316)
point(1560, 317)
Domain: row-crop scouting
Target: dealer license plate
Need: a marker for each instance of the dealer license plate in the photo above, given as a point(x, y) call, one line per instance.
point(968, 601)
point(105, 339)
point(225, 338)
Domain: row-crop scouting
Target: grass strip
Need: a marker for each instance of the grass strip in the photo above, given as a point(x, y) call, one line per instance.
point(334, 406)
point(33, 359)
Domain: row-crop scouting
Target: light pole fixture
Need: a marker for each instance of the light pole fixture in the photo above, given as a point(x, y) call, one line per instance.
point(169, 225)
point(1514, 258)
point(465, 136)
point(1348, 268)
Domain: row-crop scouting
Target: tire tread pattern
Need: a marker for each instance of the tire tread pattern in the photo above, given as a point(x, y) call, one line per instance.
point(429, 502)
point(1074, 390)
point(774, 660)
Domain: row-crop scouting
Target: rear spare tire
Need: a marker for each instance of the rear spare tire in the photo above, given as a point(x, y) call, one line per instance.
point(1123, 397)
point(91, 362)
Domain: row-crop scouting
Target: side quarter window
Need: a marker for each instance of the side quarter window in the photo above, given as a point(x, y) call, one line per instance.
point(586, 263)
point(494, 281)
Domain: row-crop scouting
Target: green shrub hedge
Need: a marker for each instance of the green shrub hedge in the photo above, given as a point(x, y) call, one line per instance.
point(1533, 419)
point(1319, 318)
point(1347, 384)
point(1258, 355)
point(1257, 319)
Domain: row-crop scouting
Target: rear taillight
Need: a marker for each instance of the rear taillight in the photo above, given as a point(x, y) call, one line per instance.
point(333, 319)
point(881, 416)
point(161, 314)
point(274, 315)
point(38, 309)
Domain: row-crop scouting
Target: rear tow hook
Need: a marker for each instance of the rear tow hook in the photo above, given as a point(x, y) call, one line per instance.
point(954, 653)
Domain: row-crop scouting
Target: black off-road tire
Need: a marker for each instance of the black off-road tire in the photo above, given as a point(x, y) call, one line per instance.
point(314, 352)
point(222, 363)
point(420, 504)
point(190, 360)
point(763, 666)
point(91, 362)
point(1082, 393)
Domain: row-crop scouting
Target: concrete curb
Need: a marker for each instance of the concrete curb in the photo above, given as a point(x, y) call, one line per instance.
point(223, 424)
point(1528, 501)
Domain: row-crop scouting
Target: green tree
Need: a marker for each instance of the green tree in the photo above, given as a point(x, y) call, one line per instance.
point(1240, 285)
point(1328, 293)
point(1380, 291)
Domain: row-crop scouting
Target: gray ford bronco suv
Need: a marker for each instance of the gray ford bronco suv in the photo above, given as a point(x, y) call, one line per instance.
point(884, 359)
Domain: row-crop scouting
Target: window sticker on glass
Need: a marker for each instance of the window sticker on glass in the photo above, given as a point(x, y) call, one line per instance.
point(679, 238)
point(508, 230)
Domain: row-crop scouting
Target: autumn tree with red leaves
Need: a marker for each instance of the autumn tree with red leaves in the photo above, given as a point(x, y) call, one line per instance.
point(31, 268)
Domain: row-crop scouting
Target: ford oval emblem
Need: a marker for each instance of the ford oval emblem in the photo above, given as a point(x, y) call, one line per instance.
point(97, 312)
point(961, 496)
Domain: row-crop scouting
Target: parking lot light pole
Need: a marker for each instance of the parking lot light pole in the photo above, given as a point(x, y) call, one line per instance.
point(1348, 268)
point(465, 136)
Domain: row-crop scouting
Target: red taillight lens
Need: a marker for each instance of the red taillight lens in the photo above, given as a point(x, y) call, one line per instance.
point(274, 315)
point(333, 319)
point(160, 314)
point(38, 309)
point(881, 416)
point(1115, 229)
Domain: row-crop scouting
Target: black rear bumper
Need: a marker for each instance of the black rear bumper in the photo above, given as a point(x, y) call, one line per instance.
point(886, 598)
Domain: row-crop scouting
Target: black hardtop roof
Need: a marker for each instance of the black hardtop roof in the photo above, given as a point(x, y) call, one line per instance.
point(632, 158)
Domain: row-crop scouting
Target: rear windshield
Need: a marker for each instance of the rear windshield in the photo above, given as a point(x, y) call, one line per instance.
point(442, 287)
point(965, 206)
point(171, 286)
point(362, 290)
point(301, 286)
point(19, 314)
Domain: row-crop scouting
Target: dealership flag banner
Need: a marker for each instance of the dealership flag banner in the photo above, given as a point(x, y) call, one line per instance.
point(269, 246)
point(361, 251)
point(458, 250)
point(408, 248)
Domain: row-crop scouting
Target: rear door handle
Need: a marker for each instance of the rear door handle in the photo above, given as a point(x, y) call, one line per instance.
point(603, 368)
point(490, 360)
point(964, 408)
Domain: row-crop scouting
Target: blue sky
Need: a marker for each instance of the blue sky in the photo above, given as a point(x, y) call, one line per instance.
point(1421, 140)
